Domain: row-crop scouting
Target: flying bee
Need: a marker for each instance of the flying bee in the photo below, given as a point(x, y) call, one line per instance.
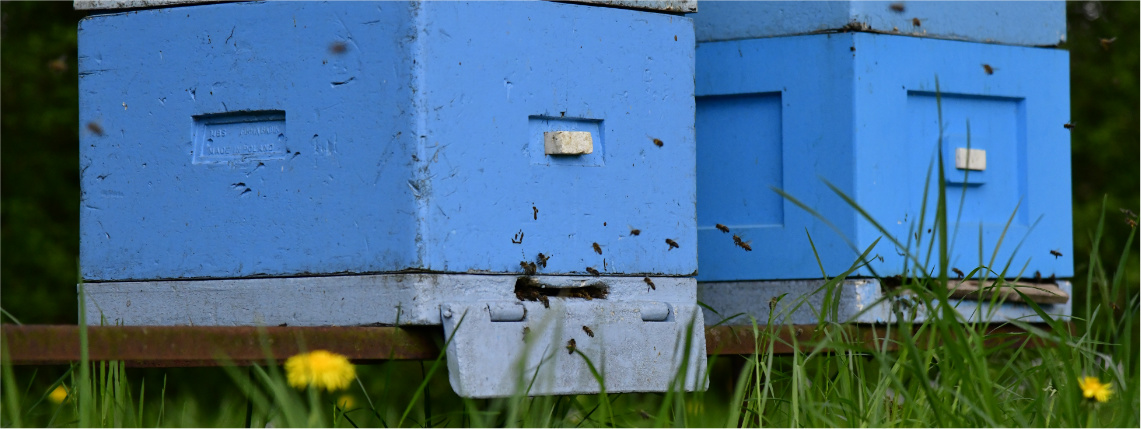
point(1068, 125)
point(1037, 277)
point(958, 272)
point(1056, 254)
point(897, 7)
point(1106, 42)
point(649, 282)
point(529, 268)
point(570, 346)
point(916, 22)
point(588, 331)
point(988, 69)
point(658, 143)
point(1132, 223)
point(58, 65)
point(338, 47)
point(597, 248)
point(722, 228)
point(773, 303)
point(542, 260)
point(593, 271)
point(742, 244)
point(635, 231)
point(672, 244)
point(1128, 212)
point(526, 332)
point(95, 128)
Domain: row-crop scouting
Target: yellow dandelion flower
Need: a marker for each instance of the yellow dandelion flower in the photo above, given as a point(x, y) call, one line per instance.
point(321, 369)
point(58, 395)
point(1092, 388)
point(346, 401)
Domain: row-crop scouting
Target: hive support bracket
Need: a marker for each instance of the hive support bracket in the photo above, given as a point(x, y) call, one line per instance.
point(573, 346)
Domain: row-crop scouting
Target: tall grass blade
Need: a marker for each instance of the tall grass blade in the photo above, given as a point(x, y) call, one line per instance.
point(435, 365)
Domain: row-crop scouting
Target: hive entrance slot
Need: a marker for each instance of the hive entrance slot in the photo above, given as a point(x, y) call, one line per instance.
point(529, 289)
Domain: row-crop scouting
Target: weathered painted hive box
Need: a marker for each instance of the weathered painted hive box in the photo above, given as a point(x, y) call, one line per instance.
point(858, 109)
point(287, 139)
point(349, 163)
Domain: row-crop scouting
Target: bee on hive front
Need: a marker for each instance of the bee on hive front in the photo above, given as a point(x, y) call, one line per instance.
point(570, 346)
point(593, 271)
point(722, 228)
point(588, 331)
point(649, 282)
point(95, 128)
point(741, 243)
point(597, 248)
point(672, 244)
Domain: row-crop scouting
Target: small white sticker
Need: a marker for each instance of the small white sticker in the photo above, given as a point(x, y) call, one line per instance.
point(568, 142)
point(970, 159)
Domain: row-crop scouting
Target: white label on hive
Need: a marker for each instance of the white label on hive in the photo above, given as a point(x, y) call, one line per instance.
point(568, 142)
point(239, 137)
point(970, 159)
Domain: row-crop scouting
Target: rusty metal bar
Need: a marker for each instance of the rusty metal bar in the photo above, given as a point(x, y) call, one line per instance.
point(186, 346)
point(189, 346)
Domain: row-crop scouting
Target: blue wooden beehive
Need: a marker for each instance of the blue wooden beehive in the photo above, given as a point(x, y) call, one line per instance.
point(369, 163)
point(794, 96)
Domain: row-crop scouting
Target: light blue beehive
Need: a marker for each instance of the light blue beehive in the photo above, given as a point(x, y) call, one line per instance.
point(794, 95)
point(285, 163)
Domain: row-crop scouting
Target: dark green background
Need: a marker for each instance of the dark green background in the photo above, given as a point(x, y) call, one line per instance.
point(39, 175)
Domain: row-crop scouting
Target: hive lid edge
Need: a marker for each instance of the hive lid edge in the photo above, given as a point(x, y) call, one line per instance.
point(671, 6)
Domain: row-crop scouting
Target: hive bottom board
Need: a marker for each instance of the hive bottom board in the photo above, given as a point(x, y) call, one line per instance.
point(861, 301)
point(351, 300)
point(505, 332)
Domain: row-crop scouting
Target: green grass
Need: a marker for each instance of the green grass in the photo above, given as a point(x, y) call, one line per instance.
point(943, 376)
point(940, 372)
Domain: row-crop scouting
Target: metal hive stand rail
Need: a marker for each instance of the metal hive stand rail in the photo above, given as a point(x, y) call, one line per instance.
point(192, 346)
